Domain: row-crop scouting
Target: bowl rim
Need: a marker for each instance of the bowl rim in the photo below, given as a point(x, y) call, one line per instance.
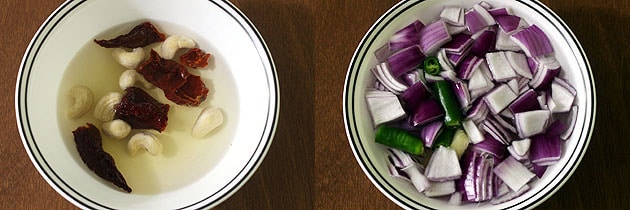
point(75, 197)
point(350, 121)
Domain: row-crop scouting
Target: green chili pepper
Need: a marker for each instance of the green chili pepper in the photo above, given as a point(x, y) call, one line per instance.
point(431, 65)
point(399, 139)
point(445, 138)
point(453, 115)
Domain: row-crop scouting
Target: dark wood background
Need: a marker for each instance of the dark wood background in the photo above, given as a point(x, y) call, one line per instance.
point(310, 164)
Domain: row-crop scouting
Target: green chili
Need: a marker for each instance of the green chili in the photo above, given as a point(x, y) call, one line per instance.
point(453, 115)
point(445, 138)
point(399, 139)
point(431, 65)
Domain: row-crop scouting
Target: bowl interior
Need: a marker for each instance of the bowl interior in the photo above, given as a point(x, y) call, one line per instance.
point(372, 156)
point(190, 173)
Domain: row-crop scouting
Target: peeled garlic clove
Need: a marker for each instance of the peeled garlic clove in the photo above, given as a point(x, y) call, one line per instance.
point(131, 78)
point(174, 43)
point(105, 107)
point(144, 140)
point(83, 100)
point(127, 59)
point(117, 129)
point(209, 119)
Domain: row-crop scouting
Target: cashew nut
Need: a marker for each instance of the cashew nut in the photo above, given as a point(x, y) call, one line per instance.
point(117, 128)
point(127, 59)
point(209, 119)
point(144, 140)
point(105, 107)
point(130, 78)
point(83, 99)
point(174, 43)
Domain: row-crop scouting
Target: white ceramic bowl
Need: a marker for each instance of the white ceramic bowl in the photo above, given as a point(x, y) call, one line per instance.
point(372, 156)
point(190, 173)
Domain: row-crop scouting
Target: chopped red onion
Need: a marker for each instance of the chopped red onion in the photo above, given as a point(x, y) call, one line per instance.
point(405, 37)
point(499, 98)
point(491, 146)
point(455, 199)
point(474, 134)
point(440, 188)
point(499, 12)
point(477, 112)
point(545, 150)
point(443, 165)
point(500, 67)
point(429, 132)
point(382, 74)
point(474, 22)
point(504, 42)
point(484, 14)
point(508, 23)
point(513, 173)
point(484, 43)
point(510, 195)
point(478, 181)
point(531, 122)
point(414, 95)
point(445, 63)
point(562, 95)
point(571, 119)
point(412, 77)
point(459, 43)
point(433, 36)
point(383, 106)
point(527, 101)
point(468, 65)
point(461, 92)
point(427, 111)
point(520, 148)
point(405, 60)
point(453, 15)
point(533, 41)
point(518, 62)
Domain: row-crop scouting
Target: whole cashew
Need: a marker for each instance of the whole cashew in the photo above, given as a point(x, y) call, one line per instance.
point(127, 59)
point(83, 99)
point(130, 78)
point(117, 128)
point(144, 140)
point(174, 43)
point(105, 107)
point(209, 119)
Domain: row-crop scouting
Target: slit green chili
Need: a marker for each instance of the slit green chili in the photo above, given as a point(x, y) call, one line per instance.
point(431, 65)
point(453, 114)
point(399, 139)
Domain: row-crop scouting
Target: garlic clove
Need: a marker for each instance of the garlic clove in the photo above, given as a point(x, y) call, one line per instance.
point(83, 100)
point(117, 129)
point(209, 119)
point(146, 141)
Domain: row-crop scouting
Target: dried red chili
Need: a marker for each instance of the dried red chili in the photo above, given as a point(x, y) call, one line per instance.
point(141, 111)
point(195, 58)
point(89, 144)
point(141, 35)
point(177, 83)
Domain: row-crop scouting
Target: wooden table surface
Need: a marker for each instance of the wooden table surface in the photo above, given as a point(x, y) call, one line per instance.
point(310, 164)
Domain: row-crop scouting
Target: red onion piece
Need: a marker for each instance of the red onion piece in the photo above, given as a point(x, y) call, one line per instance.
point(433, 36)
point(405, 60)
point(383, 106)
point(427, 111)
point(533, 41)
